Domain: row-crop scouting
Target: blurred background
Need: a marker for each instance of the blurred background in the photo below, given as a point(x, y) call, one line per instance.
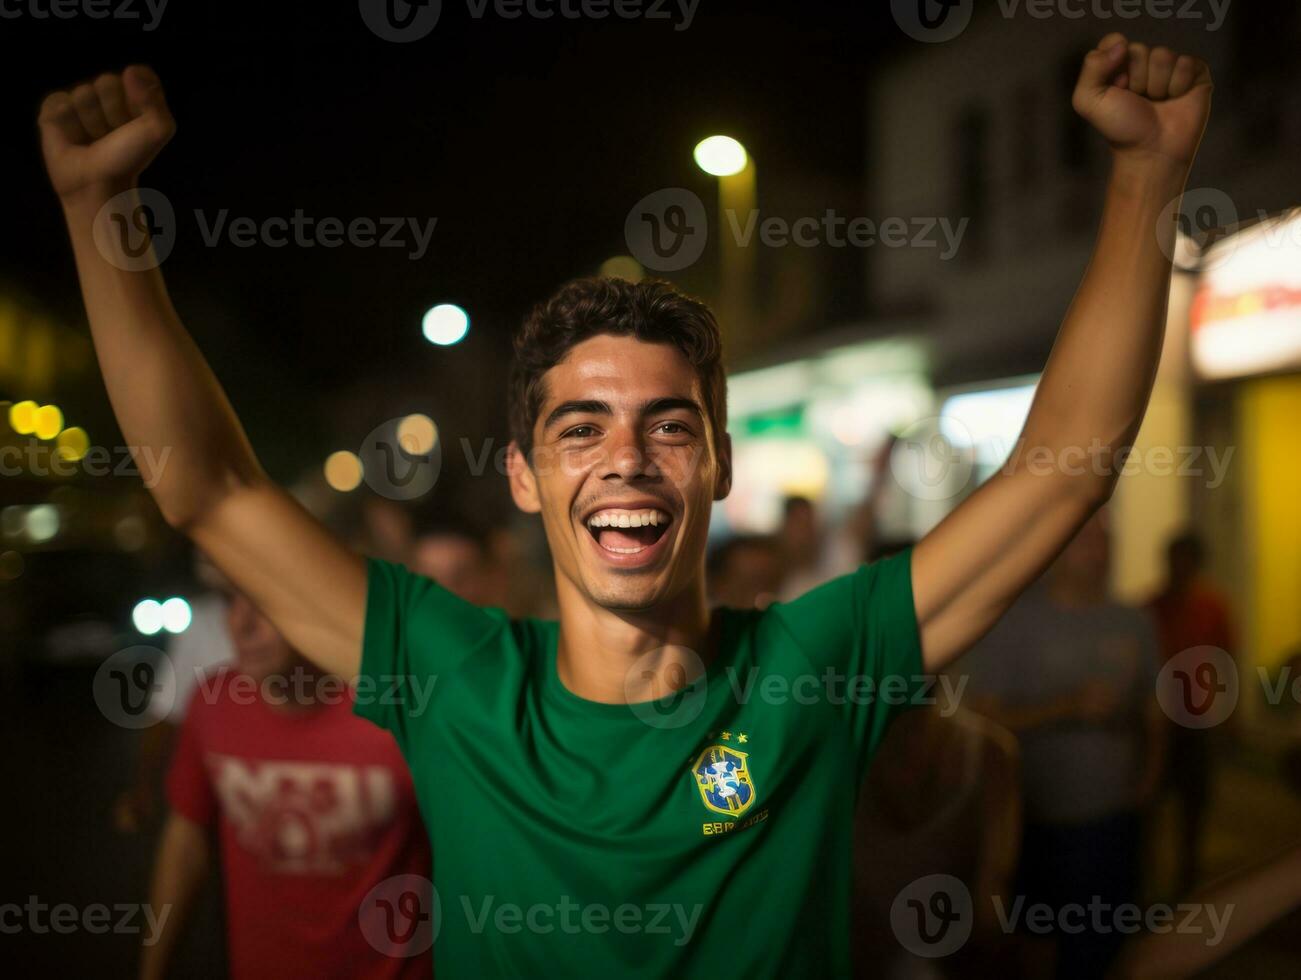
point(887, 378)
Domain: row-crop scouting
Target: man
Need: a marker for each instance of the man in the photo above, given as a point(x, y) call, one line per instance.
point(1073, 675)
point(457, 558)
point(584, 823)
point(314, 810)
point(811, 554)
point(1190, 613)
point(745, 572)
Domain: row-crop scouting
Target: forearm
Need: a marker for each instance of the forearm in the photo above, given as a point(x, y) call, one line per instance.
point(180, 868)
point(187, 441)
point(1097, 381)
point(1244, 904)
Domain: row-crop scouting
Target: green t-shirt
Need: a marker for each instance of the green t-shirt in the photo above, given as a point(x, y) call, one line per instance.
point(706, 835)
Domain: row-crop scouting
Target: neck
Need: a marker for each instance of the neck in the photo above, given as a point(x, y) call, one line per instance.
point(618, 656)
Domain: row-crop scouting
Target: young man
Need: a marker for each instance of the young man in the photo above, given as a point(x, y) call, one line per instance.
point(314, 810)
point(583, 824)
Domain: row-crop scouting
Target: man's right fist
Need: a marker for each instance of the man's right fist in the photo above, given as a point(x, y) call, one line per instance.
point(102, 135)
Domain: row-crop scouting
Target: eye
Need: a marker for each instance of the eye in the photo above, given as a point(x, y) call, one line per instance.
point(580, 432)
point(672, 429)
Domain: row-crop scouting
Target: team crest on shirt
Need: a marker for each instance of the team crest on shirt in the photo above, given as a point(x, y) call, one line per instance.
point(724, 781)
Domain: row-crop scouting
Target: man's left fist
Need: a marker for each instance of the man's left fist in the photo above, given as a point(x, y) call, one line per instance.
point(1148, 102)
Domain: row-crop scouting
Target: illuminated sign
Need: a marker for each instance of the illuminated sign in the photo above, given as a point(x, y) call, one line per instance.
point(1246, 316)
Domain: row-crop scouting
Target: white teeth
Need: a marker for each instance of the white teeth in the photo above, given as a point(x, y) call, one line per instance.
point(628, 518)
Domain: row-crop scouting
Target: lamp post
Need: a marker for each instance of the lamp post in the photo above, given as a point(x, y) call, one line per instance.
point(725, 158)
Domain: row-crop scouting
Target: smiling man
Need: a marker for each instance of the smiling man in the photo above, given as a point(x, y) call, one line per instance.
point(644, 787)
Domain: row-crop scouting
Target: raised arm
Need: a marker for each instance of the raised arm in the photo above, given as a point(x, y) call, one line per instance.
point(1152, 106)
point(97, 139)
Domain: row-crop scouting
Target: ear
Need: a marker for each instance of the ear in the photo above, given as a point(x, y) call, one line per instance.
point(723, 486)
point(523, 482)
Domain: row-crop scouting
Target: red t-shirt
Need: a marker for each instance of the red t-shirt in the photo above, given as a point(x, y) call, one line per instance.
point(1195, 618)
point(315, 809)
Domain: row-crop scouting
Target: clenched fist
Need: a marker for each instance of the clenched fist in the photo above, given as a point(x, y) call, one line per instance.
point(1145, 101)
point(102, 135)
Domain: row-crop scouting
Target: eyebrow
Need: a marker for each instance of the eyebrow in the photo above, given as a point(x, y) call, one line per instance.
point(596, 407)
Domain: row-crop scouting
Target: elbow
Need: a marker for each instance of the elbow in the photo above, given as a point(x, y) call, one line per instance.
point(188, 508)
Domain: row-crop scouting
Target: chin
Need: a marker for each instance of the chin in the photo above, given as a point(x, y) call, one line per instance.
point(627, 596)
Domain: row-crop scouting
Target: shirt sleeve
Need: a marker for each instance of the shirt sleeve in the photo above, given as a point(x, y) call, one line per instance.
point(859, 633)
point(416, 632)
point(189, 790)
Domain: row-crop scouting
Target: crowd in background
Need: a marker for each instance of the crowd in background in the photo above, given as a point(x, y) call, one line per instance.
point(1034, 774)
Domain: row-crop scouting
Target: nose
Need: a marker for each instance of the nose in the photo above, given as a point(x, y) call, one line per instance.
point(626, 457)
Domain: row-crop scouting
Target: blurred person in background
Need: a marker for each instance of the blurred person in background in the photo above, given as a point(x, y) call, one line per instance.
point(386, 528)
point(811, 554)
point(311, 806)
point(458, 558)
point(1190, 612)
point(744, 572)
point(205, 644)
point(1073, 675)
point(942, 797)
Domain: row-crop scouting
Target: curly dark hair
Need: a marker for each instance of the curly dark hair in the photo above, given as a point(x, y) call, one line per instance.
point(652, 311)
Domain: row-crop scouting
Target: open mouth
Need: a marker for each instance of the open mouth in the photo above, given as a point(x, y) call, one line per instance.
point(628, 532)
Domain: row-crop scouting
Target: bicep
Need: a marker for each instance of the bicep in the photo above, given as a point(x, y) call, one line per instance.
point(304, 579)
point(973, 565)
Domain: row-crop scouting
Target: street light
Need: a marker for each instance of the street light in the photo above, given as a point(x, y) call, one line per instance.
point(721, 156)
point(725, 158)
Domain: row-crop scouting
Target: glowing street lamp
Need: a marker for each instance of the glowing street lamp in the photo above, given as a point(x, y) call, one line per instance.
point(725, 158)
point(721, 156)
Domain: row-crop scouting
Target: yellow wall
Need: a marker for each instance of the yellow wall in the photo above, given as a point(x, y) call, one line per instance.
point(1269, 420)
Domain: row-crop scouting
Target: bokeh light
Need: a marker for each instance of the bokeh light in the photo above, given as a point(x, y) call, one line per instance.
point(446, 324)
point(622, 267)
point(343, 471)
point(47, 421)
point(22, 417)
point(147, 616)
point(721, 156)
point(176, 615)
point(73, 443)
point(42, 523)
point(417, 434)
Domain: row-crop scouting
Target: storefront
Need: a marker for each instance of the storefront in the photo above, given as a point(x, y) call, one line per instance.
point(1245, 354)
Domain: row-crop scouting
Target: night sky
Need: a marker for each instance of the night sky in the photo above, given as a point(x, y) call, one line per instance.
point(528, 140)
